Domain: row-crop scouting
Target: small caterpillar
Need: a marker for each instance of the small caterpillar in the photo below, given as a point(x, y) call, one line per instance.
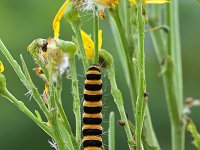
point(92, 106)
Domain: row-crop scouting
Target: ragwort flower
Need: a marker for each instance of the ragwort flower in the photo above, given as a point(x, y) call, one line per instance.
point(151, 1)
point(89, 44)
point(56, 21)
point(101, 5)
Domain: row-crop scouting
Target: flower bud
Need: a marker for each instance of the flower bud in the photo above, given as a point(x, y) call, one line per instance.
point(1, 67)
point(67, 47)
point(2, 84)
point(105, 58)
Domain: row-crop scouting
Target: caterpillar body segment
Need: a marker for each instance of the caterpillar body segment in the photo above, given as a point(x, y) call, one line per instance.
point(92, 106)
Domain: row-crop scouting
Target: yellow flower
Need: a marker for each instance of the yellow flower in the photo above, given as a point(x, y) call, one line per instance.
point(107, 3)
point(46, 88)
point(1, 67)
point(89, 44)
point(151, 1)
point(56, 21)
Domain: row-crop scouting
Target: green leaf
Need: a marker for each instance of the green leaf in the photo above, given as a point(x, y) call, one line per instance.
point(193, 130)
point(38, 115)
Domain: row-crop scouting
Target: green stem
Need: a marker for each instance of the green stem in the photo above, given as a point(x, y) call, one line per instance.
point(111, 132)
point(150, 136)
point(27, 82)
point(42, 65)
point(176, 50)
point(171, 68)
point(171, 97)
point(120, 104)
point(77, 31)
point(173, 78)
point(124, 54)
point(66, 123)
point(76, 104)
point(141, 101)
point(53, 109)
point(14, 64)
point(96, 40)
point(25, 110)
point(129, 26)
point(158, 42)
point(57, 134)
point(34, 91)
point(35, 48)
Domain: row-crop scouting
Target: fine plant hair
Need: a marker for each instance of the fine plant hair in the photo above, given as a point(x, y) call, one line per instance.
point(57, 60)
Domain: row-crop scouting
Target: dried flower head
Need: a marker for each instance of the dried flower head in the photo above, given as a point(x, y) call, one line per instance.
point(59, 59)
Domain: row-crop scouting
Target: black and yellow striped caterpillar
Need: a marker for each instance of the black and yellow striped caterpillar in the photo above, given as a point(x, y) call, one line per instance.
point(92, 105)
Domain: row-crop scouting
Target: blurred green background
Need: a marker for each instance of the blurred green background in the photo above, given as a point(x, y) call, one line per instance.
point(22, 21)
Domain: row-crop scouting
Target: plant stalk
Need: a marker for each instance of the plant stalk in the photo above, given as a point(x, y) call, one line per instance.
point(77, 31)
point(27, 82)
point(120, 104)
point(20, 105)
point(76, 103)
point(141, 99)
point(111, 132)
point(96, 40)
point(173, 78)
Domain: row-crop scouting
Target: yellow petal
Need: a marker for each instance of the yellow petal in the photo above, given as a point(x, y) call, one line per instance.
point(1, 67)
point(56, 21)
point(133, 1)
point(46, 87)
point(107, 3)
point(151, 1)
point(100, 39)
point(156, 1)
point(88, 45)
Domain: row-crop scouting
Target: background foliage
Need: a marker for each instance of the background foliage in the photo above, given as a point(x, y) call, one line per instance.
point(23, 21)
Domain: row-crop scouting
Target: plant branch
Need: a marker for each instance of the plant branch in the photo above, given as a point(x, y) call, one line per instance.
point(141, 100)
point(96, 40)
point(111, 132)
point(120, 104)
point(76, 104)
point(20, 105)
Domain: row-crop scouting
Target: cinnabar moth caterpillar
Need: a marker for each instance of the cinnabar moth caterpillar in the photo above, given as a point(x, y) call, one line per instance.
point(92, 106)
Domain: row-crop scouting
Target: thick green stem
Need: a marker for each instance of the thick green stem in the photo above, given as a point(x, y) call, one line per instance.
point(173, 78)
point(76, 104)
point(120, 104)
point(25, 110)
point(124, 54)
point(172, 74)
point(141, 101)
point(129, 26)
point(176, 50)
point(77, 31)
point(96, 29)
point(177, 128)
point(111, 132)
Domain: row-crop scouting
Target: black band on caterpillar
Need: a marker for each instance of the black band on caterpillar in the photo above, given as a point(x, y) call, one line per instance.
point(92, 105)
